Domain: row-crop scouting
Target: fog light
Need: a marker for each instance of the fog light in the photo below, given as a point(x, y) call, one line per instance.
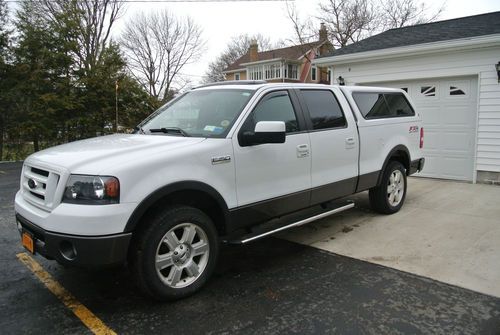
point(67, 250)
point(19, 227)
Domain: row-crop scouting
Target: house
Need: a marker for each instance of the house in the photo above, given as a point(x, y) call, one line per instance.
point(291, 64)
point(451, 71)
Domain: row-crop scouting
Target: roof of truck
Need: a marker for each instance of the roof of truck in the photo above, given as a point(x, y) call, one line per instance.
point(255, 85)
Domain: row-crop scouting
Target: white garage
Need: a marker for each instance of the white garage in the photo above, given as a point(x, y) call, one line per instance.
point(449, 69)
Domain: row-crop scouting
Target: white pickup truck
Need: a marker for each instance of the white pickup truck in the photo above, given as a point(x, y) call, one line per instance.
point(228, 162)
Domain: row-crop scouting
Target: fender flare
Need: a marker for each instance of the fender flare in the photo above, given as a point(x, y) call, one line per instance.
point(189, 185)
point(391, 153)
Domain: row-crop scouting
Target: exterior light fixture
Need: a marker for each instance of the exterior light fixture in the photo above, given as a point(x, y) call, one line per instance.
point(341, 81)
point(497, 66)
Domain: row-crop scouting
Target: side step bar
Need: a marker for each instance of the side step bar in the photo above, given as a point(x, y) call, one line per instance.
point(250, 238)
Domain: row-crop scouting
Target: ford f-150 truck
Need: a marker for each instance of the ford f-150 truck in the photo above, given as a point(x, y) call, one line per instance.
point(227, 162)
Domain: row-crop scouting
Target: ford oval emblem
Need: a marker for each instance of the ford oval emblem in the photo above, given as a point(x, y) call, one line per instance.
point(32, 183)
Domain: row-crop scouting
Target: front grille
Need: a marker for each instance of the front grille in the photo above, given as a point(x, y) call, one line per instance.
point(39, 186)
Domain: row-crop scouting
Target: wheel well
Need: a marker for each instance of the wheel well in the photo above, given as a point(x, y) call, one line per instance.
point(194, 198)
point(402, 157)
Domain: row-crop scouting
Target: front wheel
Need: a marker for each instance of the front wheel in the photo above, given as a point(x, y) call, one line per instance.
point(175, 254)
point(389, 196)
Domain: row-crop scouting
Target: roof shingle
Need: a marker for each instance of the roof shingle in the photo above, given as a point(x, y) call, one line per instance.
point(470, 26)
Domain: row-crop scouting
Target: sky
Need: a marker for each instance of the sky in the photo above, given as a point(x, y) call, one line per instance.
point(222, 20)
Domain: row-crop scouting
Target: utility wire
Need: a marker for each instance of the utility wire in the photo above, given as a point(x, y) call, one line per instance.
point(171, 1)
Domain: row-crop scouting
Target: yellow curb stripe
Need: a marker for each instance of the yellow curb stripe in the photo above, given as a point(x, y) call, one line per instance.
point(83, 313)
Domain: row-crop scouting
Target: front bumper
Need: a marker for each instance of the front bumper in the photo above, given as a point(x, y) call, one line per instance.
point(417, 166)
point(77, 250)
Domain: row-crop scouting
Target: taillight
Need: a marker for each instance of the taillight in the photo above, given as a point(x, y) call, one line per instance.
point(421, 137)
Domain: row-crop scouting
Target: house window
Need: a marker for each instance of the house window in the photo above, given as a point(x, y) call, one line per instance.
point(255, 72)
point(292, 71)
point(314, 74)
point(236, 76)
point(267, 71)
point(272, 71)
point(428, 91)
point(454, 90)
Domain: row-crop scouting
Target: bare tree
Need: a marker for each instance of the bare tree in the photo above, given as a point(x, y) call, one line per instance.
point(304, 31)
point(348, 20)
point(94, 20)
point(158, 46)
point(400, 13)
point(237, 47)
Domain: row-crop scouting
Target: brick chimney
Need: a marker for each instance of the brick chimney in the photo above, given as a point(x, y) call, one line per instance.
point(254, 51)
point(323, 33)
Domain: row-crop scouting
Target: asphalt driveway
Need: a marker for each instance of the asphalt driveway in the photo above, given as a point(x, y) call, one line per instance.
point(269, 287)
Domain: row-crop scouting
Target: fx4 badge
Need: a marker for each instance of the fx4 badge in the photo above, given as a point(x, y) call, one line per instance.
point(221, 159)
point(413, 129)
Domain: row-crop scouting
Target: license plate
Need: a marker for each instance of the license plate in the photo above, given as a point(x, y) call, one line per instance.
point(28, 242)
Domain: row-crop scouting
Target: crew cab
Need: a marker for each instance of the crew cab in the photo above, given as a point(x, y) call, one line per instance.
point(228, 162)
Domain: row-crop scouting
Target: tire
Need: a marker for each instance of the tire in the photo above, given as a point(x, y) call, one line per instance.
point(389, 196)
point(175, 253)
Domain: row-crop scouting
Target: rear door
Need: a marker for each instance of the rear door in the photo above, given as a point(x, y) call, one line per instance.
point(334, 143)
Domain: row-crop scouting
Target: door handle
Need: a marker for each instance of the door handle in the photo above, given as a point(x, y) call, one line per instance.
point(350, 142)
point(302, 150)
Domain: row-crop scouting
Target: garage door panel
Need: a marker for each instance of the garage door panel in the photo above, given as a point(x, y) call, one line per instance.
point(455, 143)
point(455, 167)
point(457, 116)
point(430, 114)
point(447, 142)
point(431, 166)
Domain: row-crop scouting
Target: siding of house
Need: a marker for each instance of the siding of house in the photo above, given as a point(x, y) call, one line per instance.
point(478, 62)
point(243, 76)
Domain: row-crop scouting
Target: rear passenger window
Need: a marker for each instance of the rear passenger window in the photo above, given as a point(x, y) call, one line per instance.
point(378, 105)
point(324, 109)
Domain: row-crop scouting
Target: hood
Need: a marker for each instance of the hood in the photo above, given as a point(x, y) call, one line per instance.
point(95, 154)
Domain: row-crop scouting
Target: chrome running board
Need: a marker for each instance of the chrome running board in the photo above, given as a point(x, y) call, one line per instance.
point(250, 238)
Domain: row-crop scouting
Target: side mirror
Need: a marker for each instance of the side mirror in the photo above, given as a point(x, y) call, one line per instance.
point(265, 132)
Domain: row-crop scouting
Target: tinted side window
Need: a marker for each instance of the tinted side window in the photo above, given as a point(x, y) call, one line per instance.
point(324, 109)
point(371, 105)
point(376, 106)
point(398, 105)
point(275, 106)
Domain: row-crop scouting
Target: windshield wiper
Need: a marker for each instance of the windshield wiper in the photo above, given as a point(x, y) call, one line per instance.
point(169, 130)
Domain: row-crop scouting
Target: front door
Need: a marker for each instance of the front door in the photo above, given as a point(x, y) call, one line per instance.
point(272, 179)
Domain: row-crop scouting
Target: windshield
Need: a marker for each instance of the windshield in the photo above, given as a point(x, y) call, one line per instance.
point(199, 113)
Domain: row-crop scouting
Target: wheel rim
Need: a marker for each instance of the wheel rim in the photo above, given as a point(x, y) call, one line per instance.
point(182, 255)
point(395, 188)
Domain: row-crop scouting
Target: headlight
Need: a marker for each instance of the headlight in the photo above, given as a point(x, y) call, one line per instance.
point(92, 190)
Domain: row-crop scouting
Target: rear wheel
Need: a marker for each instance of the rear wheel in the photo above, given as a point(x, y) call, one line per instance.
point(175, 254)
point(389, 196)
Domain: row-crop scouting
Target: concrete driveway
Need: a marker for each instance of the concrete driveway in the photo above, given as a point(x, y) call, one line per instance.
point(448, 231)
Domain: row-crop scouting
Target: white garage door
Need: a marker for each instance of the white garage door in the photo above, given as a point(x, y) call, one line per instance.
point(448, 107)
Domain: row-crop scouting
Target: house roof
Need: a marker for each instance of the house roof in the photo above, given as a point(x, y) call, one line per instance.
point(293, 52)
point(464, 27)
